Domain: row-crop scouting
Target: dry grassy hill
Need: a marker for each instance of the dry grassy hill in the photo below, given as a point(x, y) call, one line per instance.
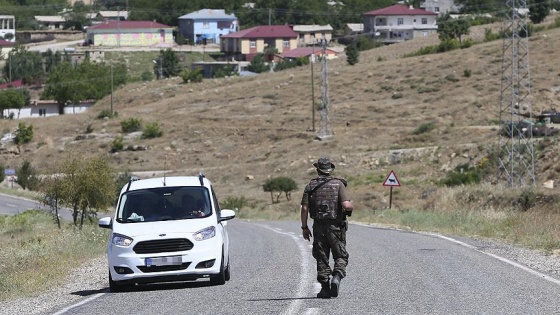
point(240, 131)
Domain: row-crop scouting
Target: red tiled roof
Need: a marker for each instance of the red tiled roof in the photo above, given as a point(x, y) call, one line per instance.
point(112, 25)
point(13, 84)
point(304, 52)
point(264, 31)
point(400, 9)
point(5, 43)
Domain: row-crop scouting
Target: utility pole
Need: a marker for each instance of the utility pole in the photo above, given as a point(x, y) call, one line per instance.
point(516, 157)
point(269, 16)
point(313, 89)
point(325, 131)
point(112, 112)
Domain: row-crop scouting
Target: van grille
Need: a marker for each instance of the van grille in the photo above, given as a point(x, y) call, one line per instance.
point(145, 269)
point(163, 246)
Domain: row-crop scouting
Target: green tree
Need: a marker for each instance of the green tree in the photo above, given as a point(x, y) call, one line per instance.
point(27, 176)
point(539, 10)
point(68, 83)
point(352, 54)
point(25, 65)
point(449, 28)
point(13, 99)
point(87, 186)
point(258, 64)
point(278, 185)
point(169, 64)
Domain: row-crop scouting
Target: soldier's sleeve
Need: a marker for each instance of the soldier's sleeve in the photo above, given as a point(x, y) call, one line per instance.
point(304, 198)
point(342, 196)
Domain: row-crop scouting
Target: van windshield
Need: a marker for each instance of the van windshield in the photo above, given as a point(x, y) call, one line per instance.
point(163, 204)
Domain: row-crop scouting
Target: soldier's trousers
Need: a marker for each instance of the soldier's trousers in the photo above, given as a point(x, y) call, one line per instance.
point(327, 238)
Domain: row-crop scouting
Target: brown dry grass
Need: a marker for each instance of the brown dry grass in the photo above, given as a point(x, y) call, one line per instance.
point(259, 126)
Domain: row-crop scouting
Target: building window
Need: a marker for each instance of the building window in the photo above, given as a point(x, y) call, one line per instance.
point(286, 43)
point(436, 9)
point(253, 44)
point(205, 24)
point(400, 21)
point(42, 112)
point(424, 20)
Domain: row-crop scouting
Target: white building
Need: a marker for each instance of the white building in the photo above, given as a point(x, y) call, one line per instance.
point(398, 23)
point(8, 26)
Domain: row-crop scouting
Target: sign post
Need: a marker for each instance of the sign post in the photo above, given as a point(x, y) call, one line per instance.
point(391, 181)
point(10, 172)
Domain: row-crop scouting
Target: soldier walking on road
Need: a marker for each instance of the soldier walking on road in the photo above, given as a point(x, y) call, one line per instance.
point(325, 201)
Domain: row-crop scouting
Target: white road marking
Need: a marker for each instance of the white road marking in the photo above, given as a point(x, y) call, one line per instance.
point(11, 205)
point(91, 298)
point(313, 311)
point(306, 275)
point(507, 261)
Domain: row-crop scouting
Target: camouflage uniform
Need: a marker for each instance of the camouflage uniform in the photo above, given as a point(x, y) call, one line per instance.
point(329, 225)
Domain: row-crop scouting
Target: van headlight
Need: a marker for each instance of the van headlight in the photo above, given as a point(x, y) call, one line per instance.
point(121, 240)
point(205, 234)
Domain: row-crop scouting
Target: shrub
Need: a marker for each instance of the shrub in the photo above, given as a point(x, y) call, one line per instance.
point(24, 134)
point(106, 113)
point(132, 124)
point(191, 76)
point(147, 76)
point(423, 128)
point(27, 176)
point(234, 203)
point(467, 73)
point(152, 130)
point(463, 174)
point(117, 144)
point(2, 175)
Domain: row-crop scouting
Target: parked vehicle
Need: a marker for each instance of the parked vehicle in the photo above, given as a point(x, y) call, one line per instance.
point(156, 237)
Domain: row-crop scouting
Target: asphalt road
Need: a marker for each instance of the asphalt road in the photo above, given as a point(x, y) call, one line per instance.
point(11, 205)
point(390, 272)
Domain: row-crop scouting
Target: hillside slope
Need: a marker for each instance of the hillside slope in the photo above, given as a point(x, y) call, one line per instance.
point(240, 131)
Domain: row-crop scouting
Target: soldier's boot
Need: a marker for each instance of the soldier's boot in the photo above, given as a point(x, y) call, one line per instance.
point(335, 284)
point(325, 291)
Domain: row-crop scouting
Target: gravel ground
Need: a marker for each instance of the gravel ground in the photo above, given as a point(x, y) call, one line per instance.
point(91, 278)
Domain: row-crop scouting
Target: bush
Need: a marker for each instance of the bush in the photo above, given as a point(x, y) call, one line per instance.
point(147, 76)
point(117, 144)
point(234, 203)
point(191, 76)
point(462, 175)
point(27, 176)
point(152, 130)
point(24, 134)
point(132, 124)
point(467, 73)
point(106, 113)
point(426, 127)
point(2, 175)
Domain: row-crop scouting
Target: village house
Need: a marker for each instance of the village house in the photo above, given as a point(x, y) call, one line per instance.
point(51, 22)
point(313, 34)
point(245, 44)
point(398, 23)
point(313, 53)
point(8, 27)
point(45, 108)
point(207, 25)
point(130, 34)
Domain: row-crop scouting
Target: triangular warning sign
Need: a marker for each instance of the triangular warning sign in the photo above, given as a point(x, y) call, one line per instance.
point(391, 180)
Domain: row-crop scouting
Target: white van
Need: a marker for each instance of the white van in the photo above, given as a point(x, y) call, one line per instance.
point(167, 229)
